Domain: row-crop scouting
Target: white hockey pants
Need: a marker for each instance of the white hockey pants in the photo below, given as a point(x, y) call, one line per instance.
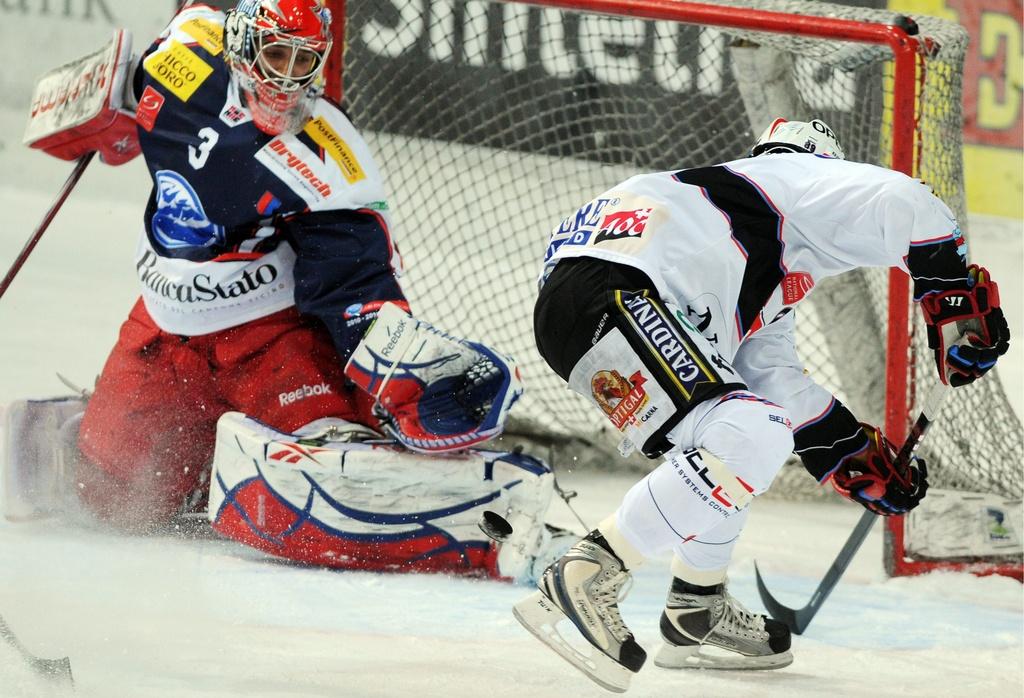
point(681, 508)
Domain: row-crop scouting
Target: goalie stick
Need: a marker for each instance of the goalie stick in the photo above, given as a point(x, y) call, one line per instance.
point(62, 195)
point(58, 669)
point(65, 191)
point(797, 620)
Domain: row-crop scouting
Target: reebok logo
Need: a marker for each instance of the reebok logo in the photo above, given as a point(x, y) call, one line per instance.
point(303, 392)
point(393, 340)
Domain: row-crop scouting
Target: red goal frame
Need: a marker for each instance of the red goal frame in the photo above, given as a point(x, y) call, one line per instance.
point(908, 74)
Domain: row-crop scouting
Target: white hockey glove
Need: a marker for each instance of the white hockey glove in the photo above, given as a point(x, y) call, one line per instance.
point(438, 393)
point(85, 106)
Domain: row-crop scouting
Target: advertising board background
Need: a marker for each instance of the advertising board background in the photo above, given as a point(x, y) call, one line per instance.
point(46, 33)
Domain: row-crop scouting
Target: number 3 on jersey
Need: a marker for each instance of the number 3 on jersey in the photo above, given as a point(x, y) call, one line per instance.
point(198, 155)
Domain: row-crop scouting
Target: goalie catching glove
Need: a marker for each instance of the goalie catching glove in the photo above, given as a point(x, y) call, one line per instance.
point(966, 328)
point(437, 393)
point(872, 478)
point(86, 106)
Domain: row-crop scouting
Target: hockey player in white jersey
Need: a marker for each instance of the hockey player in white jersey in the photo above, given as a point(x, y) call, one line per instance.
point(668, 302)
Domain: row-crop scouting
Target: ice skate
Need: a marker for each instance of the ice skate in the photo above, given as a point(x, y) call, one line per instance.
point(555, 543)
point(712, 630)
point(584, 587)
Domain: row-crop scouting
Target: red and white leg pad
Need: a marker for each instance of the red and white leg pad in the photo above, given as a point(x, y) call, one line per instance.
point(319, 496)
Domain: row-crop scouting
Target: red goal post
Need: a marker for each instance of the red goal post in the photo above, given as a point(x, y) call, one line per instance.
point(463, 71)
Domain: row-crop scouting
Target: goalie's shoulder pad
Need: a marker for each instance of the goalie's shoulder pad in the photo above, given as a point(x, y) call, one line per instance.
point(80, 107)
point(438, 392)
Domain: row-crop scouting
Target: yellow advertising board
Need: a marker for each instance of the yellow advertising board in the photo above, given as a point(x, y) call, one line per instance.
point(993, 99)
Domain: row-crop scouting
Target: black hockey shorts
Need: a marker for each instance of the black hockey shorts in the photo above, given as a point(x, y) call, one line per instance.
point(648, 375)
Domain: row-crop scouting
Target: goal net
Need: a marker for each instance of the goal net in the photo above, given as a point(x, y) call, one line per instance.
point(494, 120)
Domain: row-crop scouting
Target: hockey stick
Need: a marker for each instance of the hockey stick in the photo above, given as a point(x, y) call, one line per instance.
point(58, 669)
point(797, 620)
point(69, 184)
point(65, 191)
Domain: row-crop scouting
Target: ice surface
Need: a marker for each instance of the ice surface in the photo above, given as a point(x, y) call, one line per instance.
point(165, 616)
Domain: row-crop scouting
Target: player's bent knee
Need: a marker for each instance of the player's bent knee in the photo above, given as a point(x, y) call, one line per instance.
point(751, 435)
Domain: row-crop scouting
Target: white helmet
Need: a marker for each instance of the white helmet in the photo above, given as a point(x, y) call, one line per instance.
point(798, 137)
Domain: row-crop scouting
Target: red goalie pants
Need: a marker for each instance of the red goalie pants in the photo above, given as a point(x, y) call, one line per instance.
point(149, 429)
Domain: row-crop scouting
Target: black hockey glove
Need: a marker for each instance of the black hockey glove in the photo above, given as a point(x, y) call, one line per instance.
point(966, 328)
point(872, 479)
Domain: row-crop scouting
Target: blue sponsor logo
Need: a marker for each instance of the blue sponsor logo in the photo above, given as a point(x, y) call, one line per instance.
point(180, 220)
point(354, 310)
point(577, 228)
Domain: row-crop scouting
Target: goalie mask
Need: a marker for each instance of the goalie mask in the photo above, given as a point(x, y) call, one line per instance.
point(798, 137)
point(277, 50)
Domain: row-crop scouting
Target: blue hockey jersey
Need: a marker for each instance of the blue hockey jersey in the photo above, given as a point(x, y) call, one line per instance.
point(241, 224)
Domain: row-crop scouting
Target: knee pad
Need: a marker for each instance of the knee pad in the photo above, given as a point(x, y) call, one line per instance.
point(750, 435)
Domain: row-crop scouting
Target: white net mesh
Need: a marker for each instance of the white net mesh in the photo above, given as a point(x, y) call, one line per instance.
point(493, 120)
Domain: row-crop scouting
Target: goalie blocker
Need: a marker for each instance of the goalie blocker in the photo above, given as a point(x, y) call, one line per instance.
point(437, 392)
point(334, 494)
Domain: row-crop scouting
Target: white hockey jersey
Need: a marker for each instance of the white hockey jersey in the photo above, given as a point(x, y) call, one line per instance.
point(743, 242)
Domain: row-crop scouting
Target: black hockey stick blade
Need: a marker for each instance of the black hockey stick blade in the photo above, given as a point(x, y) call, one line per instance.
point(57, 669)
point(797, 620)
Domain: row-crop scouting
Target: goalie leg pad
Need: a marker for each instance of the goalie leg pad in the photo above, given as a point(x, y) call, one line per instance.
point(439, 393)
point(373, 505)
point(37, 450)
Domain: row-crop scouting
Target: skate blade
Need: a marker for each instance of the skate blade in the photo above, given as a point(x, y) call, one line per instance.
point(691, 657)
point(540, 616)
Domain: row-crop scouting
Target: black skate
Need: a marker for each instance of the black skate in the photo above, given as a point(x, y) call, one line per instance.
point(714, 631)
